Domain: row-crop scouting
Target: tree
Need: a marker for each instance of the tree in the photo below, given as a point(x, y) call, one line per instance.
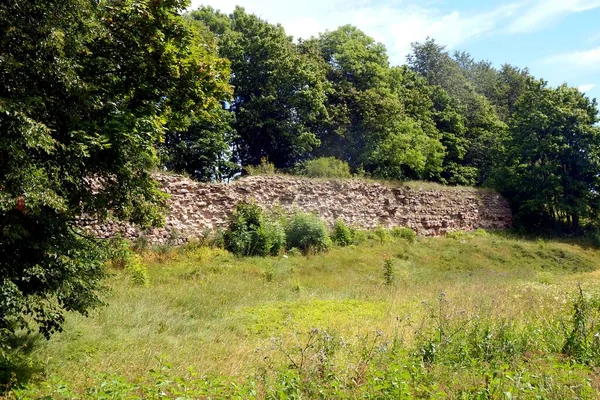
point(551, 172)
point(407, 153)
point(359, 101)
point(461, 79)
point(87, 89)
point(203, 150)
point(278, 91)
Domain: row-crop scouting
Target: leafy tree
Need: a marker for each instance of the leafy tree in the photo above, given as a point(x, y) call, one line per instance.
point(203, 150)
point(367, 116)
point(278, 93)
point(358, 100)
point(484, 131)
point(87, 89)
point(551, 171)
point(407, 153)
point(512, 82)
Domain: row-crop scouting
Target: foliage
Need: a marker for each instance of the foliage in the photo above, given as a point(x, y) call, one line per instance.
point(404, 233)
point(341, 234)
point(380, 233)
point(122, 257)
point(325, 167)
point(477, 144)
point(203, 150)
point(367, 125)
point(307, 232)
point(251, 233)
point(262, 169)
point(278, 91)
point(582, 340)
point(388, 271)
point(86, 91)
point(551, 166)
point(407, 155)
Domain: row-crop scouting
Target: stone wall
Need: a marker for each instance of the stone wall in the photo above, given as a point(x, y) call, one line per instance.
point(196, 208)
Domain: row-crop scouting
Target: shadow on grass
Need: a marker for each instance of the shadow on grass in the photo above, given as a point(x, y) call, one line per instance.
point(589, 240)
point(17, 367)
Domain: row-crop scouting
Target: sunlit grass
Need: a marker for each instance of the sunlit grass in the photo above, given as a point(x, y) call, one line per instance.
point(216, 313)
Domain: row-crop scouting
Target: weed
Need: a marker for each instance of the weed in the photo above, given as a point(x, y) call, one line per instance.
point(404, 233)
point(251, 233)
point(583, 339)
point(388, 271)
point(341, 234)
point(264, 168)
point(380, 233)
point(268, 275)
point(325, 167)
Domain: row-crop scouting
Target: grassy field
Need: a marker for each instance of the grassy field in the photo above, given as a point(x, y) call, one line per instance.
point(474, 315)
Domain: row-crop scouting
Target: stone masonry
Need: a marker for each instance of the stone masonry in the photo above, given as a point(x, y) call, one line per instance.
point(196, 208)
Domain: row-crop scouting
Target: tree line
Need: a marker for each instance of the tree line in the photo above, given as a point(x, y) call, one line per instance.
point(443, 117)
point(94, 95)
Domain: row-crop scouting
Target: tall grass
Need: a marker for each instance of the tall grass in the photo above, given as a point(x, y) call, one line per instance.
point(468, 316)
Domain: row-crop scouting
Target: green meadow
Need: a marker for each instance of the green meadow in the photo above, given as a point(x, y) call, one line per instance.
point(470, 315)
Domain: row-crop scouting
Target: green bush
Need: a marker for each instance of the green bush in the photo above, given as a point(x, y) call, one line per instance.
point(341, 234)
point(121, 256)
point(264, 168)
point(137, 271)
point(307, 232)
point(250, 233)
point(404, 233)
point(359, 236)
point(380, 233)
point(325, 167)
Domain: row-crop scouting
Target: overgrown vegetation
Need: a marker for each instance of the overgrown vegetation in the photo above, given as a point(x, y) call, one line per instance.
point(325, 167)
point(252, 233)
point(444, 117)
point(87, 91)
point(308, 233)
point(341, 233)
point(94, 95)
point(472, 315)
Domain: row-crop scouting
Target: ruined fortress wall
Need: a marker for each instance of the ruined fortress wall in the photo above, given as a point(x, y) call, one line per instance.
point(196, 207)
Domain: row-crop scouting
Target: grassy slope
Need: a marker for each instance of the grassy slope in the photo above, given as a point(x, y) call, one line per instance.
point(219, 314)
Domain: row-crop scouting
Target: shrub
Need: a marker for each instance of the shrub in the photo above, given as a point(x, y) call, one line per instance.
point(388, 271)
point(250, 233)
point(341, 234)
point(404, 233)
point(264, 168)
point(359, 236)
point(325, 167)
point(121, 256)
point(380, 233)
point(307, 232)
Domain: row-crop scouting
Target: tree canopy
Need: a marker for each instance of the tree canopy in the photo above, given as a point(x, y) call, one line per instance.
point(95, 94)
point(443, 117)
point(87, 91)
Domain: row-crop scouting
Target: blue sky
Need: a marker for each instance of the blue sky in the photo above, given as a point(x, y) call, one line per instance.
point(558, 40)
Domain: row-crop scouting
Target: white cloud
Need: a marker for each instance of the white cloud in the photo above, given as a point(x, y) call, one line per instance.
point(586, 88)
point(397, 23)
point(539, 13)
point(586, 60)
